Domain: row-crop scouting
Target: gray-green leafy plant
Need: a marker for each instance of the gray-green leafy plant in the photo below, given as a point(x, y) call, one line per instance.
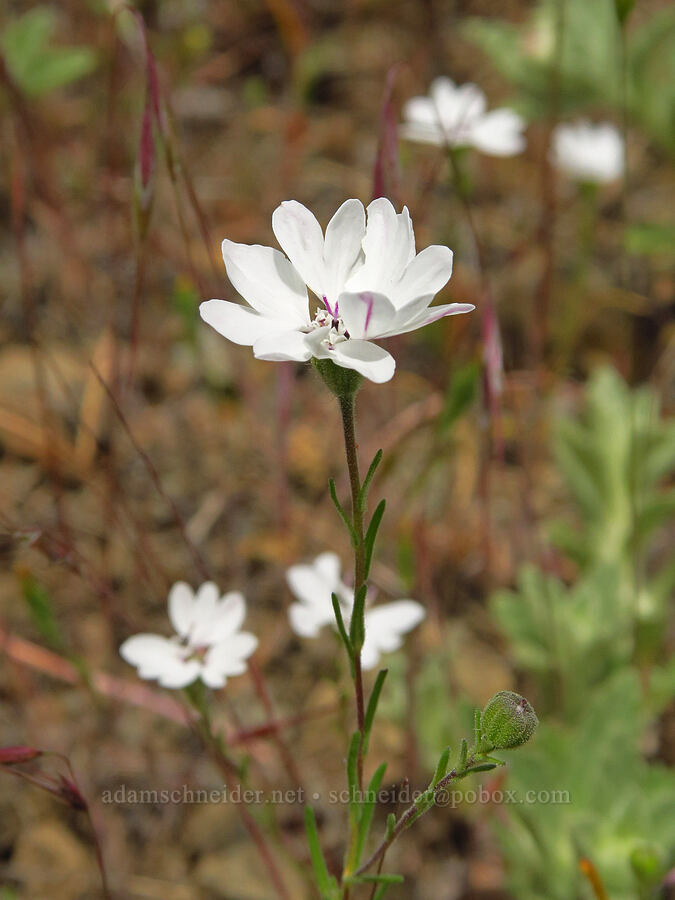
point(594, 650)
point(598, 800)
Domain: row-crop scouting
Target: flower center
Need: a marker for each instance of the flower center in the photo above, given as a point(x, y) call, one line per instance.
point(326, 319)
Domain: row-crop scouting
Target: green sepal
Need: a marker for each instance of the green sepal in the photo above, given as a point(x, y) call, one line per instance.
point(342, 382)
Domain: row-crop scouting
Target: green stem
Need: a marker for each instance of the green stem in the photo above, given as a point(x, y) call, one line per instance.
point(414, 811)
point(347, 404)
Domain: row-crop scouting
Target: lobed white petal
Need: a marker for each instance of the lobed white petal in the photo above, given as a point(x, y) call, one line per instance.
point(282, 346)
point(300, 237)
point(181, 607)
point(267, 281)
point(237, 323)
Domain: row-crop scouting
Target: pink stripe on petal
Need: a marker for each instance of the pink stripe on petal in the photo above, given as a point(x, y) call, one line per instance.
point(368, 300)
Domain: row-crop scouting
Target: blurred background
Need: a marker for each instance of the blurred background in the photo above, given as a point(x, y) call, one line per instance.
point(528, 447)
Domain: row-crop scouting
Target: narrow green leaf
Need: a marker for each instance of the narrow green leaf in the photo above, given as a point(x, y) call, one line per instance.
point(365, 487)
point(391, 824)
point(368, 810)
point(463, 753)
point(325, 882)
point(441, 768)
point(341, 628)
point(483, 767)
point(357, 628)
point(371, 534)
point(372, 707)
point(343, 515)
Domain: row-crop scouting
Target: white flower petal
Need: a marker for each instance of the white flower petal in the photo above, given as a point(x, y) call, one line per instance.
point(342, 247)
point(366, 358)
point(499, 133)
point(327, 565)
point(307, 621)
point(432, 314)
point(205, 611)
point(299, 235)
point(282, 346)
point(425, 275)
point(228, 618)
point(152, 654)
point(388, 246)
point(366, 314)
point(267, 281)
point(457, 106)
point(237, 323)
point(422, 134)
point(228, 658)
point(314, 341)
point(311, 588)
point(313, 585)
point(181, 607)
point(589, 152)
point(385, 627)
point(422, 111)
point(181, 674)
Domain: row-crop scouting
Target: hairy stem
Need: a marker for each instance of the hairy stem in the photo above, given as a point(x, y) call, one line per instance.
point(347, 403)
point(413, 812)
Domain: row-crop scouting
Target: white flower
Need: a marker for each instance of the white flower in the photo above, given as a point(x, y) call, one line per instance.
point(208, 645)
point(313, 585)
point(368, 281)
point(587, 152)
point(456, 116)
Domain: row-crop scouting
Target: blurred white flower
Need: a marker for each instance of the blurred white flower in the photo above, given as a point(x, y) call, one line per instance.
point(313, 585)
point(586, 152)
point(208, 643)
point(368, 279)
point(455, 116)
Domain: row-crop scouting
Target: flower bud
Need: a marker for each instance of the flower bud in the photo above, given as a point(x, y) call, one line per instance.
point(507, 721)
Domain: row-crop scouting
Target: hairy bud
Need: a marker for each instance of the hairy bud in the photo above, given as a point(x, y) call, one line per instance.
point(507, 721)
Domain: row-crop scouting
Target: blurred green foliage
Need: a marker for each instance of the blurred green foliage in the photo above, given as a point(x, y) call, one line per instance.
point(574, 51)
point(41, 610)
point(36, 66)
point(614, 461)
point(617, 802)
point(583, 646)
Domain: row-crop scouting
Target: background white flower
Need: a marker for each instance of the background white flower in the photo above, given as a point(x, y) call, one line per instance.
point(588, 152)
point(367, 279)
point(313, 585)
point(455, 115)
point(208, 645)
